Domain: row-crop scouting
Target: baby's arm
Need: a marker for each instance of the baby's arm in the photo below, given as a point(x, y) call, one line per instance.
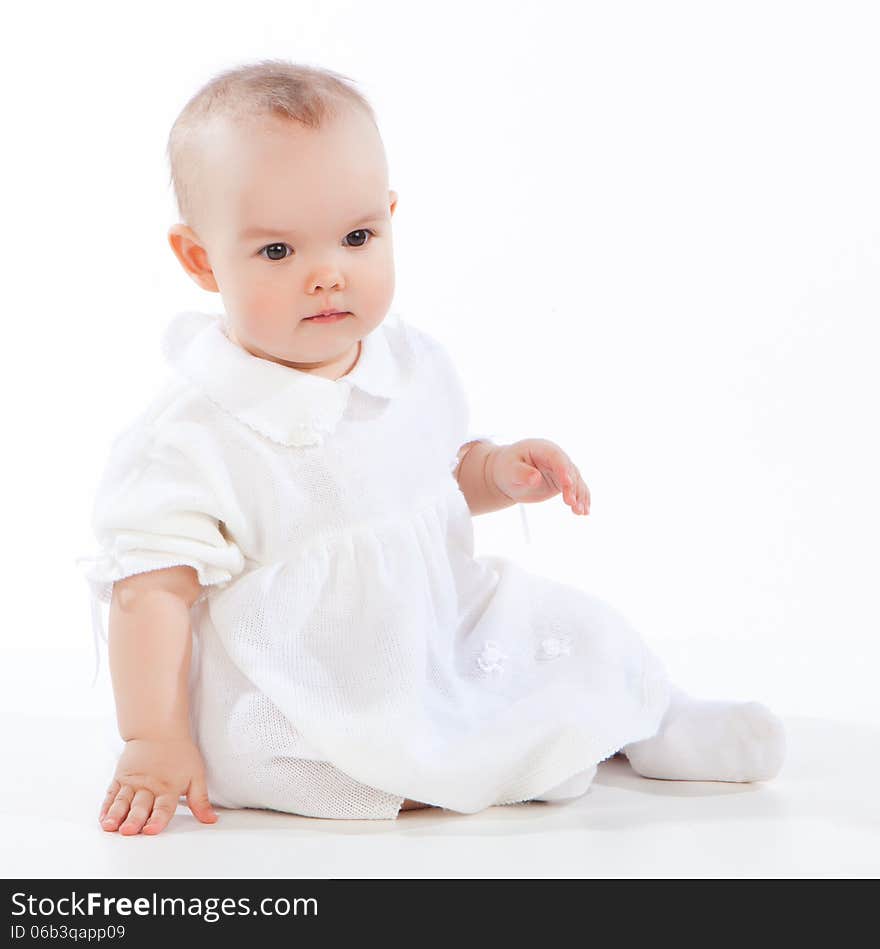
point(474, 476)
point(150, 645)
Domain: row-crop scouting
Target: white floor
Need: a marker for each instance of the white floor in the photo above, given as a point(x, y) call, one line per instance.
point(819, 818)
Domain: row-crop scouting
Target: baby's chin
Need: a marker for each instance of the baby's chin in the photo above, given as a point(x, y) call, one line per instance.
point(326, 359)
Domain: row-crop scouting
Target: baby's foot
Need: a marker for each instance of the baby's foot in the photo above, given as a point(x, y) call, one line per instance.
point(703, 740)
point(572, 787)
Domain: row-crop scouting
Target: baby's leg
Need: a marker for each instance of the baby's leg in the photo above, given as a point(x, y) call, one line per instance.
point(702, 740)
point(409, 805)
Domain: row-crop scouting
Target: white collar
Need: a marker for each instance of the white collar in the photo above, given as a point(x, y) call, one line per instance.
point(287, 405)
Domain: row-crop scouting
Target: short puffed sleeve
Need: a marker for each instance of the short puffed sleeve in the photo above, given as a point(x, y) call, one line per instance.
point(160, 504)
point(462, 432)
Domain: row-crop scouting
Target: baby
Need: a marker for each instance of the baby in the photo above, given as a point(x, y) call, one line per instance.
point(297, 619)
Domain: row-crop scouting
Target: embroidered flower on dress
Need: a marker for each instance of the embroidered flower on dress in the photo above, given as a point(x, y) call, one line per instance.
point(554, 646)
point(491, 658)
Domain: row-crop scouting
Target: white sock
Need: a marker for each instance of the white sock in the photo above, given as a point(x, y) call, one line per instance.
point(705, 740)
point(572, 787)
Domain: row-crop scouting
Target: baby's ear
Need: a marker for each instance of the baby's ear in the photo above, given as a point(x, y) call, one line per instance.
point(392, 195)
point(190, 251)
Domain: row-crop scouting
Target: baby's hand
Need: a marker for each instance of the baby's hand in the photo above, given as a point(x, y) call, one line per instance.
point(150, 777)
point(535, 469)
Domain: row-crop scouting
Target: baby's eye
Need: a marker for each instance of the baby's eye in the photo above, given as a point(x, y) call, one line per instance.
point(276, 251)
point(363, 241)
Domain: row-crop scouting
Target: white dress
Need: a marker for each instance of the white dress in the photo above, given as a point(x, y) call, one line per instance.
point(350, 651)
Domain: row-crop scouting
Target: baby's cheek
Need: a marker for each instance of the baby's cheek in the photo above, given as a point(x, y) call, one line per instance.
point(378, 285)
point(262, 306)
point(265, 321)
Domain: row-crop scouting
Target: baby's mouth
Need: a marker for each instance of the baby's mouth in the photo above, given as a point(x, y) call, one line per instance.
point(328, 318)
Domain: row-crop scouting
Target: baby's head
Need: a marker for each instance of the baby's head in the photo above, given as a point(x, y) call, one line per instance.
point(281, 183)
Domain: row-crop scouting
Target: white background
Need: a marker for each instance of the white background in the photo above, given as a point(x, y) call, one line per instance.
point(647, 231)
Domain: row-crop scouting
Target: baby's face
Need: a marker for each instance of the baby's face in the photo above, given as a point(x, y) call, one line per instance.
point(295, 221)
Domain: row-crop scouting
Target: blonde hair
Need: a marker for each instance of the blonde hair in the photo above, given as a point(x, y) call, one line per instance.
point(309, 95)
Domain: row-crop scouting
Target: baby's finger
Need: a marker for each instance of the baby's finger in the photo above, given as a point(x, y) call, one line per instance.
point(112, 791)
point(568, 479)
point(558, 472)
point(163, 810)
point(139, 811)
point(551, 476)
point(578, 496)
point(198, 801)
point(578, 487)
point(119, 807)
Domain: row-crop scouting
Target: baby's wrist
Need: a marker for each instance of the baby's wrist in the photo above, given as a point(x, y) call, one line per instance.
point(490, 463)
